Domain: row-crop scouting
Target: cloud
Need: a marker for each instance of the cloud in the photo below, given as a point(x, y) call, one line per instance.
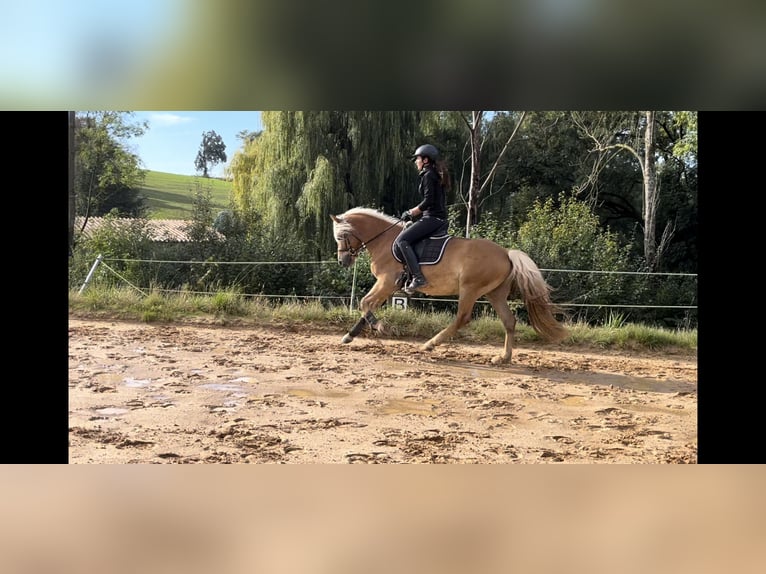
point(169, 119)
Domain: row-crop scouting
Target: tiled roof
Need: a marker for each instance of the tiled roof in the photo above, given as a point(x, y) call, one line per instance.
point(162, 230)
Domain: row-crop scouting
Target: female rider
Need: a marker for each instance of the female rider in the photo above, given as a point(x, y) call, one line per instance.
point(429, 215)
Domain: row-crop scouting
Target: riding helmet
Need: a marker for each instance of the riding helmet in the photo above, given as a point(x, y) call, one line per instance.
point(428, 151)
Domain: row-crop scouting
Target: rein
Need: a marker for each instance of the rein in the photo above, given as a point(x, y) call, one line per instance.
point(362, 244)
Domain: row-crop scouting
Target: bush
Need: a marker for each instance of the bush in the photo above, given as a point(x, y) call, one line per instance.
point(118, 238)
point(569, 237)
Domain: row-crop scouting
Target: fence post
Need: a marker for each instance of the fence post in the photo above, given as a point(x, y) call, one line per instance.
point(353, 288)
point(90, 273)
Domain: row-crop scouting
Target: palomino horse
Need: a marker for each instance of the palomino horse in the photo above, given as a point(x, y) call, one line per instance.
point(469, 268)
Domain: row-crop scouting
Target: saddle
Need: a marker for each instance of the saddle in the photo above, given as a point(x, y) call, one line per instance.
point(429, 251)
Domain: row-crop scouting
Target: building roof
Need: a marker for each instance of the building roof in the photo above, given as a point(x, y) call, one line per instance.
point(161, 230)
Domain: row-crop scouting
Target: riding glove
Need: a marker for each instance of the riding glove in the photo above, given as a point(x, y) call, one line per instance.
point(406, 216)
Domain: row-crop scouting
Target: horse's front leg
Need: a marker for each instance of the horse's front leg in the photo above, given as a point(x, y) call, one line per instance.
point(374, 299)
point(357, 328)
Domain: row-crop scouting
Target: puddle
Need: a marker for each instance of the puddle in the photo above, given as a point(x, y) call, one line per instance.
point(112, 411)
point(652, 385)
point(406, 407)
point(477, 371)
point(224, 388)
point(310, 393)
point(137, 383)
point(623, 382)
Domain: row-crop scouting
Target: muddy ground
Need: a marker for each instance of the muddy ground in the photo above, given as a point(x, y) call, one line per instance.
point(182, 393)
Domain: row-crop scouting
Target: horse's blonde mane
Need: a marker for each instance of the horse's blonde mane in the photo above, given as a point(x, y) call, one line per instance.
point(344, 226)
point(371, 212)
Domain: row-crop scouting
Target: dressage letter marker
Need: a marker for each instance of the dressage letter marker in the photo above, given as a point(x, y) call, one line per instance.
point(399, 303)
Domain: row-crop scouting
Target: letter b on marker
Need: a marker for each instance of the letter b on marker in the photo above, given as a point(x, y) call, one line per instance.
point(399, 303)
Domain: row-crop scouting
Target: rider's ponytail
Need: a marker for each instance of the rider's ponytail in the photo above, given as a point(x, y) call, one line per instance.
point(441, 167)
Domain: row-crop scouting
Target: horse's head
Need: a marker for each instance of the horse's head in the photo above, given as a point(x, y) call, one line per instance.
point(357, 228)
point(349, 245)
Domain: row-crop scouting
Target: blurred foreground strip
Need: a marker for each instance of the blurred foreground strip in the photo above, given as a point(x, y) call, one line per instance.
point(406, 519)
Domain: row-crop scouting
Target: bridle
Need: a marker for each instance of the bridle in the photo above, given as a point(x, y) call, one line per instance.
point(354, 251)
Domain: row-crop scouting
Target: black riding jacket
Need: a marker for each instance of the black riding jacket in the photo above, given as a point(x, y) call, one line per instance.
point(434, 202)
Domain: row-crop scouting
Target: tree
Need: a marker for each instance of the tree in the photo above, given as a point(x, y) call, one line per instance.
point(610, 136)
point(547, 159)
point(247, 136)
point(476, 185)
point(552, 159)
point(677, 149)
point(107, 175)
point(212, 151)
point(202, 235)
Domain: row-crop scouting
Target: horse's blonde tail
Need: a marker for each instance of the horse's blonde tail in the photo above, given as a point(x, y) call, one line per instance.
point(536, 294)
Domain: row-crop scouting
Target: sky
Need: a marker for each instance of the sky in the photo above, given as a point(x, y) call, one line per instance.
point(52, 51)
point(173, 139)
point(79, 55)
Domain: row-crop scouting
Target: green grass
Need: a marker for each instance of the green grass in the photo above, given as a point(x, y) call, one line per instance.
point(171, 196)
point(229, 308)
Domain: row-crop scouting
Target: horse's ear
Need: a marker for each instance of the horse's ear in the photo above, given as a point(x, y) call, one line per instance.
point(334, 218)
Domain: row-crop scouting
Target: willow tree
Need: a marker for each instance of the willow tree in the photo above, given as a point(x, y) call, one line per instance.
point(306, 165)
point(243, 170)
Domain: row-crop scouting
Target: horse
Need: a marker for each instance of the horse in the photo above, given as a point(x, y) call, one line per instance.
point(468, 268)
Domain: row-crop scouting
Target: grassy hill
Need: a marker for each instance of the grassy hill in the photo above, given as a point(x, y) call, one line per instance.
point(171, 196)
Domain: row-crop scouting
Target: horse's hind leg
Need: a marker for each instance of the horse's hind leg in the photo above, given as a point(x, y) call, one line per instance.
point(499, 300)
point(463, 317)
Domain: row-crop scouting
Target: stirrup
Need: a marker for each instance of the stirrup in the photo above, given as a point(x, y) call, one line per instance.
point(401, 281)
point(417, 282)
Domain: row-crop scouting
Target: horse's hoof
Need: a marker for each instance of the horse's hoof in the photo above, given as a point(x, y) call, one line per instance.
point(427, 347)
point(347, 339)
point(499, 360)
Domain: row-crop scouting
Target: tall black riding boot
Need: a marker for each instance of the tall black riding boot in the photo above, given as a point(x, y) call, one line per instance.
point(413, 265)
